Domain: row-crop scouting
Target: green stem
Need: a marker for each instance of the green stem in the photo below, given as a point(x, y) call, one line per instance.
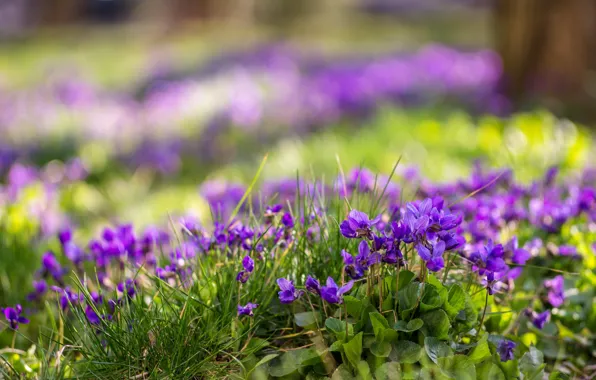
point(484, 311)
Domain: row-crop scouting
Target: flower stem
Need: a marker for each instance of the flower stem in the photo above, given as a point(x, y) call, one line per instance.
point(484, 311)
point(14, 338)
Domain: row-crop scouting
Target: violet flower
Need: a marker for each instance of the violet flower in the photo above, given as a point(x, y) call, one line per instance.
point(358, 225)
point(288, 292)
point(489, 259)
point(556, 291)
point(505, 349)
point(332, 293)
point(433, 255)
point(540, 319)
point(13, 316)
point(313, 285)
point(92, 316)
point(247, 309)
point(249, 266)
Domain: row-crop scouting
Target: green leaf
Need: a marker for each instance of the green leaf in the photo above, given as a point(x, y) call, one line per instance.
point(439, 287)
point(285, 365)
point(338, 328)
point(430, 299)
point(489, 371)
point(458, 367)
point(531, 365)
point(336, 346)
point(388, 371)
point(407, 351)
point(558, 376)
point(256, 344)
point(292, 361)
point(342, 373)
point(405, 277)
point(436, 349)
point(264, 360)
point(381, 349)
point(481, 351)
point(456, 301)
point(379, 323)
point(468, 316)
point(353, 305)
point(363, 370)
point(353, 349)
point(413, 325)
point(408, 299)
point(307, 319)
point(390, 335)
point(436, 323)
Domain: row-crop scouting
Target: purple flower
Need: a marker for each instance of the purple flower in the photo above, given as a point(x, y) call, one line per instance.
point(433, 255)
point(489, 259)
point(51, 267)
point(249, 266)
point(568, 250)
point(332, 293)
point(556, 291)
point(288, 292)
point(92, 316)
point(505, 349)
point(540, 319)
point(358, 225)
point(13, 316)
point(357, 266)
point(247, 309)
point(39, 289)
point(287, 220)
point(65, 236)
point(271, 211)
point(69, 297)
point(127, 287)
point(313, 285)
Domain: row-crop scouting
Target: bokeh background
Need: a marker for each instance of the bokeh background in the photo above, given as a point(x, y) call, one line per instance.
point(139, 111)
point(130, 110)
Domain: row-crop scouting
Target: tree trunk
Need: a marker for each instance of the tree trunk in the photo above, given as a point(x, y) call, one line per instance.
point(548, 48)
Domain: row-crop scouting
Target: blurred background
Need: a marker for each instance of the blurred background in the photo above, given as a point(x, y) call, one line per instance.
point(122, 109)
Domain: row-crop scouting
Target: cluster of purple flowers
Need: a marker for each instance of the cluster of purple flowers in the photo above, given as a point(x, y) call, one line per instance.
point(271, 85)
point(428, 227)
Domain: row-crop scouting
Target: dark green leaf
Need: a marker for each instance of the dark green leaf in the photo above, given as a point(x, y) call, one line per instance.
point(436, 349)
point(338, 328)
point(353, 305)
point(405, 277)
point(408, 299)
point(407, 351)
point(413, 325)
point(430, 298)
point(436, 323)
